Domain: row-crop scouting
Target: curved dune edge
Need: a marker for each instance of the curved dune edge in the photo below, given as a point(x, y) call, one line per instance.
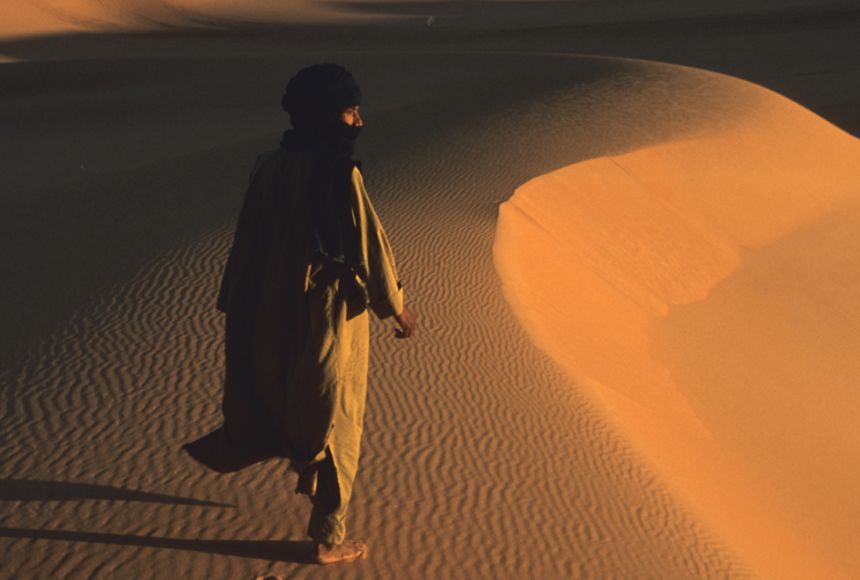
point(23, 18)
point(704, 292)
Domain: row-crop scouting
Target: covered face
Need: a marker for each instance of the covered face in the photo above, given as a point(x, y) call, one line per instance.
point(317, 96)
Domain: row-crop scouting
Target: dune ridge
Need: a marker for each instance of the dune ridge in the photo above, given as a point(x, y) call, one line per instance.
point(709, 306)
point(22, 18)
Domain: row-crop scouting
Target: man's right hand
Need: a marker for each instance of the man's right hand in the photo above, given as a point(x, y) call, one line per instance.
point(408, 321)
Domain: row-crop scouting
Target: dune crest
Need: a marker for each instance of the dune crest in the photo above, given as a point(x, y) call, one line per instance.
point(32, 17)
point(703, 291)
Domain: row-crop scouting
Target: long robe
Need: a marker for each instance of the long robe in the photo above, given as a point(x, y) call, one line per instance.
point(297, 327)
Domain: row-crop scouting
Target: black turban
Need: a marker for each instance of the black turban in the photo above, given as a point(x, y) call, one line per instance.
point(317, 93)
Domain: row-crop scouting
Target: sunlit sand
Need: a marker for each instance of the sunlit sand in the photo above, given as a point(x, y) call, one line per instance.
point(702, 291)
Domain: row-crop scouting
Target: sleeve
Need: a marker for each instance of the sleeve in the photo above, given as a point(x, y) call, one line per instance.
point(227, 278)
point(378, 270)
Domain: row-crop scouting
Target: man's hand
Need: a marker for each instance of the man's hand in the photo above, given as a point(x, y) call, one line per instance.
point(408, 321)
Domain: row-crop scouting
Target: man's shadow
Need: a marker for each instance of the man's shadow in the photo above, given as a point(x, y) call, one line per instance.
point(41, 490)
point(275, 550)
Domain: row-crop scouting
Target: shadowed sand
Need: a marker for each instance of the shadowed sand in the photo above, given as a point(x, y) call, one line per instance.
point(482, 457)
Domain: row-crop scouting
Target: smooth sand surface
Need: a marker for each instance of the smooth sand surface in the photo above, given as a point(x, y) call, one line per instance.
point(704, 290)
point(124, 165)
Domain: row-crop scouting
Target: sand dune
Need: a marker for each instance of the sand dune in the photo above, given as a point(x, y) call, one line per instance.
point(477, 446)
point(22, 18)
point(124, 163)
point(704, 290)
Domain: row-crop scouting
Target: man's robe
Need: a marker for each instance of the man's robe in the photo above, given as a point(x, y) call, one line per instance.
point(297, 327)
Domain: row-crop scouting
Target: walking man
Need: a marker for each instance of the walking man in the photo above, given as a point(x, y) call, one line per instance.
point(309, 260)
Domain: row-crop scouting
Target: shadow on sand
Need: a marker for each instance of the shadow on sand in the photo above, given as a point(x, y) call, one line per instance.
point(40, 490)
point(283, 550)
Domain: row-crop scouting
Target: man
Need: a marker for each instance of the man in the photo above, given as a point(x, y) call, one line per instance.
point(309, 259)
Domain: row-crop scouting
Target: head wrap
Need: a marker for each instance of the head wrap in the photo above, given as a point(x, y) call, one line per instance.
point(313, 99)
point(317, 93)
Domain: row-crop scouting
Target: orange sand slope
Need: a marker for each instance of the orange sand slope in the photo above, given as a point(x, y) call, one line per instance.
point(705, 292)
point(29, 17)
point(21, 18)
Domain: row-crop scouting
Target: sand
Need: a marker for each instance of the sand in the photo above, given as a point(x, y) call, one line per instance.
point(499, 443)
point(704, 295)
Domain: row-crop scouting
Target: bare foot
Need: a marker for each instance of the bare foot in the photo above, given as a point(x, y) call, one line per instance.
point(344, 552)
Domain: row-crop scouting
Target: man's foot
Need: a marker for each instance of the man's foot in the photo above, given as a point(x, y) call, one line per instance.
point(344, 552)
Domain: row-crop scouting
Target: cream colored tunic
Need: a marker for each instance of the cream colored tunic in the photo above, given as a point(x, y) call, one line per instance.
point(297, 328)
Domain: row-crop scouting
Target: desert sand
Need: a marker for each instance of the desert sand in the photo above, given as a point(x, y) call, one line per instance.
point(705, 295)
point(628, 231)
